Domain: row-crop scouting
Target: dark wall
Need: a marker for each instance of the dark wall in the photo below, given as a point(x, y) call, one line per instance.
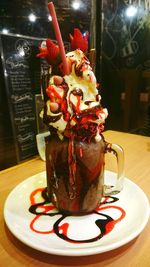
point(125, 58)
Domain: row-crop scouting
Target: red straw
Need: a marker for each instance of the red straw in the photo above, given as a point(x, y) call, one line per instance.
point(58, 37)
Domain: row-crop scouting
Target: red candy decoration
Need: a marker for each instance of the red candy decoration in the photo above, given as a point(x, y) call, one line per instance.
point(78, 41)
point(50, 53)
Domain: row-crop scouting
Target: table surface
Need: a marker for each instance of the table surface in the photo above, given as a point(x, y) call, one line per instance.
point(136, 253)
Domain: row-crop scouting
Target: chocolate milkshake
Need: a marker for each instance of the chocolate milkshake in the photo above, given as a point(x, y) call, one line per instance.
point(76, 147)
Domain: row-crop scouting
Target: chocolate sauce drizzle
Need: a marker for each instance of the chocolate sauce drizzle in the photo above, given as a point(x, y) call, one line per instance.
point(81, 124)
point(79, 117)
point(60, 229)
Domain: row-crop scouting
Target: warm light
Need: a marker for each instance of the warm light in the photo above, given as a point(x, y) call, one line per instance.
point(5, 31)
point(131, 11)
point(76, 5)
point(32, 17)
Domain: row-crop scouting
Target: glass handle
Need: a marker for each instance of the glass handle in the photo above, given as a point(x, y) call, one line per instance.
point(119, 154)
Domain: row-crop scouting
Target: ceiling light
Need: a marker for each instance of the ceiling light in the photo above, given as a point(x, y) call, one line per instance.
point(32, 17)
point(131, 11)
point(76, 4)
point(5, 31)
point(49, 18)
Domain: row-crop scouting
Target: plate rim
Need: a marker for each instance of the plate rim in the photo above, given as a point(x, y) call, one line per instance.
point(84, 251)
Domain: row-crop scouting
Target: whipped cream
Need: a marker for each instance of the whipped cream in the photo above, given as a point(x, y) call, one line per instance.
point(78, 100)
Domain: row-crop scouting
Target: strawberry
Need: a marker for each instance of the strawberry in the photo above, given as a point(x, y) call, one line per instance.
point(78, 41)
point(50, 53)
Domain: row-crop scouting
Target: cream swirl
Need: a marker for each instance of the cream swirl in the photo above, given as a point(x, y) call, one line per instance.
point(77, 100)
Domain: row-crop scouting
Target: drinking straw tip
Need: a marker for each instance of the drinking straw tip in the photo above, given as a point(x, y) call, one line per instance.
point(58, 36)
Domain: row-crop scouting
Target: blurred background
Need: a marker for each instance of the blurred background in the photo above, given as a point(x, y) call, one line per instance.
point(120, 33)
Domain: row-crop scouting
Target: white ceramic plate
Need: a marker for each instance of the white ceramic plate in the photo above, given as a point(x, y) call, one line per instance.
point(116, 222)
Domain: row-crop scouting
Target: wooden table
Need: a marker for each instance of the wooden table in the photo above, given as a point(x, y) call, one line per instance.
point(13, 253)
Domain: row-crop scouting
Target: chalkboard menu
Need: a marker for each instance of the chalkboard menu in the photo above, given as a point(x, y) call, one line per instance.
point(21, 70)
